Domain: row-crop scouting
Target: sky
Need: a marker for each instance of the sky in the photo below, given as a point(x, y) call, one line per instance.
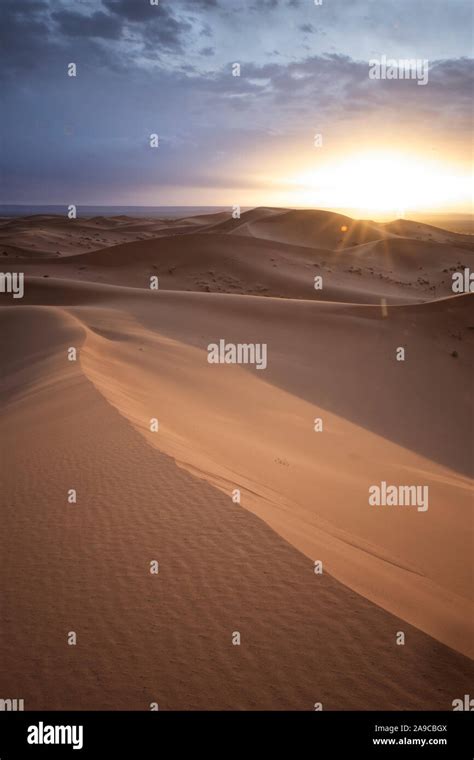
point(303, 124)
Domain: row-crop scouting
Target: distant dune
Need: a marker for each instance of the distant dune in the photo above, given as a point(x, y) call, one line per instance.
point(167, 495)
point(267, 252)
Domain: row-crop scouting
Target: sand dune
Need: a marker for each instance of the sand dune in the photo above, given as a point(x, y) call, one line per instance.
point(419, 231)
point(168, 639)
point(306, 228)
point(52, 236)
point(223, 264)
point(167, 495)
point(173, 331)
point(369, 266)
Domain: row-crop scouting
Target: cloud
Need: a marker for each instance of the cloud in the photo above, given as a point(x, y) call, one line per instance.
point(262, 5)
point(204, 4)
point(155, 24)
point(98, 25)
point(136, 11)
point(24, 33)
point(144, 69)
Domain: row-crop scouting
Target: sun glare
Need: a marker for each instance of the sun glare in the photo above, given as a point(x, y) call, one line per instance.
point(382, 182)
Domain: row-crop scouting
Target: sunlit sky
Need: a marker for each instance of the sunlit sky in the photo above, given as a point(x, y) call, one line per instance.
point(387, 146)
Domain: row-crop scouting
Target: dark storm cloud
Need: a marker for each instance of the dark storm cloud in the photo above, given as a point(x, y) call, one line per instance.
point(99, 24)
point(26, 9)
point(156, 24)
point(24, 32)
point(135, 11)
point(38, 35)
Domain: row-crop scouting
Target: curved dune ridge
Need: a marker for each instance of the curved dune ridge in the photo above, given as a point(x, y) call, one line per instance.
point(167, 495)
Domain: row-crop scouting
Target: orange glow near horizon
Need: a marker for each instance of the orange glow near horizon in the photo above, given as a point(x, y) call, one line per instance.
point(381, 182)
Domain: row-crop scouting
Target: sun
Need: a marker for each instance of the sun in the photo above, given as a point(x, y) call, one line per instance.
point(382, 182)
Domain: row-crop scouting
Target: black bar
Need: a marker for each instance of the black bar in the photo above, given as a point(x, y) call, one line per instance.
point(311, 734)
